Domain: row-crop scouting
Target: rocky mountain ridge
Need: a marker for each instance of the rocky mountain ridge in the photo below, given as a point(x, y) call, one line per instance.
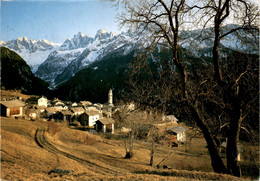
point(80, 51)
point(63, 61)
point(32, 51)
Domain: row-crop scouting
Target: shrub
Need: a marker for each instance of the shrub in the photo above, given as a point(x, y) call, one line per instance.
point(86, 139)
point(53, 128)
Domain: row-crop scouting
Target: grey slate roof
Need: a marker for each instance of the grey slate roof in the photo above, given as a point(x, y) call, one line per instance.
point(107, 121)
point(65, 113)
point(52, 109)
point(77, 109)
point(85, 103)
point(92, 113)
point(13, 103)
point(177, 129)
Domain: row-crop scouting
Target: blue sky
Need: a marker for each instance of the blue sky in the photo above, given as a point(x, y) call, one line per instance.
point(55, 20)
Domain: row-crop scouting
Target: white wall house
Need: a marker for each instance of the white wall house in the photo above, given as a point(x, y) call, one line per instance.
point(93, 116)
point(43, 101)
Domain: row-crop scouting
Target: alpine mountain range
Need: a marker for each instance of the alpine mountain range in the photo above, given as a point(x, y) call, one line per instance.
point(56, 63)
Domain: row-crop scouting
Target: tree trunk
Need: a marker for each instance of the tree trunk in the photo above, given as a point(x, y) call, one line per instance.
point(216, 161)
point(131, 145)
point(152, 152)
point(129, 153)
point(216, 61)
point(233, 165)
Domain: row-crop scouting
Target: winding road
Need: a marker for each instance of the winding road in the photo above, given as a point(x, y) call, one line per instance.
point(43, 143)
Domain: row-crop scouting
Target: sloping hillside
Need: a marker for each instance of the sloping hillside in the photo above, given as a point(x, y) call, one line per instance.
point(16, 74)
point(27, 154)
point(93, 83)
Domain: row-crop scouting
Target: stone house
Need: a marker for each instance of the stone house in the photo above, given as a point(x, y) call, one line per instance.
point(179, 132)
point(65, 115)
point(52, 112)
point(77, 111)
point(12, 108)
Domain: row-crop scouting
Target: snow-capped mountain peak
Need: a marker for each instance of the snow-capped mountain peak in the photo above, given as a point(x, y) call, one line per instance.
point(79, 51)
point(79, 40)
point(103, 34)
point(32, 51)
point(102, 30)
point(23, 39)
point(44, 41)
point(80, 35)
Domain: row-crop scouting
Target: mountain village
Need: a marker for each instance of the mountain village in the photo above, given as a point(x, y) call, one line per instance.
point(93, 117)
point(174, 96)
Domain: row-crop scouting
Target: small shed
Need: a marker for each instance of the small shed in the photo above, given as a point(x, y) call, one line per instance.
point(12, 108)
point(179, 131)
point(105, 124)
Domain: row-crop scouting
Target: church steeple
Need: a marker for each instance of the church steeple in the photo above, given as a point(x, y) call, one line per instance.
point(110, 97)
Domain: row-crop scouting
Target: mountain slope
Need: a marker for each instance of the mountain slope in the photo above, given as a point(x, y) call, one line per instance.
point(93, 82)
point(16, 74)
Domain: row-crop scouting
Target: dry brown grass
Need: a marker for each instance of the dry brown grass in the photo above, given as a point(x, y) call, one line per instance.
point(8, 94)
point(53, 128)
point(23, 159)
point(85, 138)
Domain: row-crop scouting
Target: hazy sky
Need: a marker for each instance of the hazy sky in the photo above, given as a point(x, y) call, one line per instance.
point(55, 20)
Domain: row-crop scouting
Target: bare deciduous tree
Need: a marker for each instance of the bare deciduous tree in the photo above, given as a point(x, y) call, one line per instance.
point(212, 94)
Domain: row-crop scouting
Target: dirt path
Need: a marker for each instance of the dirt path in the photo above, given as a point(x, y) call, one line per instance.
point(43, 142)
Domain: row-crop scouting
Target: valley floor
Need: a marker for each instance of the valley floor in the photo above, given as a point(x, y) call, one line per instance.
point(29, 152)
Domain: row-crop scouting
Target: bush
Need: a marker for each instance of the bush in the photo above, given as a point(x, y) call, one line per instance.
point(86, 139)
point(53, 128)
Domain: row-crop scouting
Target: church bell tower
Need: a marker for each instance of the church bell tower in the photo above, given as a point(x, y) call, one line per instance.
point(110, 97)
